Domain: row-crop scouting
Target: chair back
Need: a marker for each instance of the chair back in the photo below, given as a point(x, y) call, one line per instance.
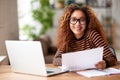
point(113, 51)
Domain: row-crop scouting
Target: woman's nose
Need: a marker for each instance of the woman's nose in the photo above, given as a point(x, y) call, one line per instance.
point(78, 22)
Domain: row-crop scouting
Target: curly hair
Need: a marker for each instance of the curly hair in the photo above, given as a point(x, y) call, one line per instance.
point(64, 34)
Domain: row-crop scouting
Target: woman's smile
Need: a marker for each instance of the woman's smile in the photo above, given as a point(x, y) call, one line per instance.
point(77, 28)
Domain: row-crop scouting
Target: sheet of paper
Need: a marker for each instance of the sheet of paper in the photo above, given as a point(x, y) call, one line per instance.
point(82, 59)
point(2, 58)
point(93, 73)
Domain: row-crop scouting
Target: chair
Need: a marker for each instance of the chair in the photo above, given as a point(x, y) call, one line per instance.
point(113, 51)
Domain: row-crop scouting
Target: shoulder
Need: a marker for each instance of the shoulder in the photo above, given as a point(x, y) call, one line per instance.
point(92, 33)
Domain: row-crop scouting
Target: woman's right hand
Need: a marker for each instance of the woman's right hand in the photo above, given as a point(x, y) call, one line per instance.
point(101, 65)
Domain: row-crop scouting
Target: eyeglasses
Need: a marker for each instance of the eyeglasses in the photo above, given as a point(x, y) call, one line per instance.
point(74, 20)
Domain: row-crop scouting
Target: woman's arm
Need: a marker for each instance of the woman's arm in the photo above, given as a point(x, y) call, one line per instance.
point(109, 58)
point(57, 59)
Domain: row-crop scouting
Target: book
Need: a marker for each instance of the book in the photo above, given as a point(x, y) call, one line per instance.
point(93, 73)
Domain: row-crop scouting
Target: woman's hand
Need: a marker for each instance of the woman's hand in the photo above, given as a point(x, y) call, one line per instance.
point(101, 65)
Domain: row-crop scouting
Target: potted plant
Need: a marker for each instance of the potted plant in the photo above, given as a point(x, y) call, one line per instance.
point(28, 31)
point(43, 14)
point(60, 4)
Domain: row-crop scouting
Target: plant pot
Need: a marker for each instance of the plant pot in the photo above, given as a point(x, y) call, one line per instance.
point(59, 5)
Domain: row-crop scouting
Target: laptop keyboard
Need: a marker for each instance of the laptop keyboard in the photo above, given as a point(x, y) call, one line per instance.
point(53, 70)
point(50, 71)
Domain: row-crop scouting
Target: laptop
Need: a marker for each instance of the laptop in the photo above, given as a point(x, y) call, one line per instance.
point(2, 58)
point(27, 57)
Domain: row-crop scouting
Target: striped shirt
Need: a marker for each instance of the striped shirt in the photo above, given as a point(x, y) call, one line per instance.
point(91, 39)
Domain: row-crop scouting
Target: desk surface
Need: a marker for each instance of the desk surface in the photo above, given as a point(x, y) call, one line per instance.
point(7, 74)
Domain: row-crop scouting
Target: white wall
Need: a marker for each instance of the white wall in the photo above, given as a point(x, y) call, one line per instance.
point(8, 24)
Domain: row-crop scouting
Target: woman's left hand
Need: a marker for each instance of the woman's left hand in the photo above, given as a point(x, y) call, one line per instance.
point(101, 65)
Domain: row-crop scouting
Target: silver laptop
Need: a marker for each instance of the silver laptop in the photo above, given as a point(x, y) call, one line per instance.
point(27, 57)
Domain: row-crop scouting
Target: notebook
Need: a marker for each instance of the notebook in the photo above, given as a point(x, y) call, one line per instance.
point(27, 57)
point(93, 73)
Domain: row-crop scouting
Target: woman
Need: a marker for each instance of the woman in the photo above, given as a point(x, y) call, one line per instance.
point(78, 30)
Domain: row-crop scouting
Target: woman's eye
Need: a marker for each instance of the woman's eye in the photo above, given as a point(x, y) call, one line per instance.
point(73, 19)
point(82, 20)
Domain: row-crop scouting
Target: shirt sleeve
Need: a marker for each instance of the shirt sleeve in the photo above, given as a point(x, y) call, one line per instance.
point(97, 40)
point(57, 58)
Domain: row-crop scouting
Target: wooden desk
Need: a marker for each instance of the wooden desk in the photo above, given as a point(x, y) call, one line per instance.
point(7, 74)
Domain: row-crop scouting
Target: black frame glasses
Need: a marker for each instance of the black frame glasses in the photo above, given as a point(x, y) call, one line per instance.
point(74, 20)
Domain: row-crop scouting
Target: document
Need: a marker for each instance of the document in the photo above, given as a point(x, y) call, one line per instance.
point(93, 73)
point(81, 60)
point(2, 58)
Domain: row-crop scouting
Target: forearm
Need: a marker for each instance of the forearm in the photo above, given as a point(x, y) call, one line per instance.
point(57, 59)
point(110, 61)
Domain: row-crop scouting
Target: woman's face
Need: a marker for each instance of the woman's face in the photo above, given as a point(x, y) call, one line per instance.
point(78, 23)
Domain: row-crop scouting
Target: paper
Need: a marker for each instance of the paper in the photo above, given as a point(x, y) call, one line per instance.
point(82, 59)
point(2, 58)
point(93, 73)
